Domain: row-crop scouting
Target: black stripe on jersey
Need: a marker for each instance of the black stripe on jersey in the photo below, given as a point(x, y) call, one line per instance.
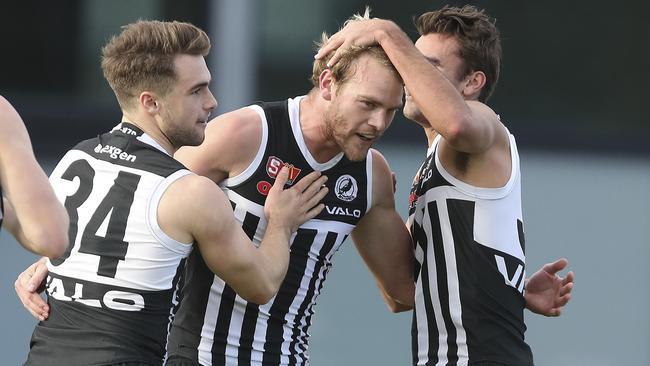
point(330, 240)
point(196, 293)
point(247, 334)
point(177, 286)
point(310, 311)
point(288, 290)
point(421, 240)
point(522, 237)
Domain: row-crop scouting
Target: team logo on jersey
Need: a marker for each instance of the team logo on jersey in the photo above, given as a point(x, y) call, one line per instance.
point(346, 188)
point(273, 166)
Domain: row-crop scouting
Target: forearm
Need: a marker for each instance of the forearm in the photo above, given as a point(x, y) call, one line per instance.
point(42, 230)
point(274, 258)
point(439, 100)
point(43, 226)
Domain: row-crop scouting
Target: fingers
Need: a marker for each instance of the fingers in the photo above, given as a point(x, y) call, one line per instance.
point(563, 300)
point(555, 267)
point(317, 196)
point(315, 188)
point(281, 179)
point(31, 300)
point(568, 279)
point(38, 277)
point(335, 58)
point(332, 44)
point(314, 211)
point(307, 181)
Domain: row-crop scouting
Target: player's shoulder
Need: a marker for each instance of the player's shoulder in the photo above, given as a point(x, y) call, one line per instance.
point(380, 166)
point(241, 124)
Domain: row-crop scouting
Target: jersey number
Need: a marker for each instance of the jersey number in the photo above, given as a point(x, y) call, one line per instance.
point(117, 203)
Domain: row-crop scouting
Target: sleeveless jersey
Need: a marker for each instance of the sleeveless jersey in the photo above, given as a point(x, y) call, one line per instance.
point(113, 293)
point(214, 326)
point(470, 268)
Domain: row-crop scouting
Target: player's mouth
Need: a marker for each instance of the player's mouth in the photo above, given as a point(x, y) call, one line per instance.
point(367, 138)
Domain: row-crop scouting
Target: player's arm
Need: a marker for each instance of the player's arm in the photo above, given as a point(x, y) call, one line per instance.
point(384, 242)
point(195, 209)
point(231, 143)
point(467, 126)
point(33, 215)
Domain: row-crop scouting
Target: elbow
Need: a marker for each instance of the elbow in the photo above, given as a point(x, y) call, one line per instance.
point(52, 239)
point(401, 298)
point(262, 295)
point(398, 308)
point(458, 130)
point(53, 246)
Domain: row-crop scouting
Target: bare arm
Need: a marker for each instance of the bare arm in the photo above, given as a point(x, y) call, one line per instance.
point(467, 126)
point(255, 273)
point(384, 242)
point(231, 142)
point(33, 214)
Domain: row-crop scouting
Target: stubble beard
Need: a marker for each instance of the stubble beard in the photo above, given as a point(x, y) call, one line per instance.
point(334, 123)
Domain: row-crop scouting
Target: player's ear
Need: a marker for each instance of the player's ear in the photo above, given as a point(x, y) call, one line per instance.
point(473, 84)
point(325, 84)
point(149, 102)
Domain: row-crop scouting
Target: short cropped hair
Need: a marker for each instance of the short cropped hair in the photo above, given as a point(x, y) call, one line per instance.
point(141, 57)
point(345, 66)
point(478, 40)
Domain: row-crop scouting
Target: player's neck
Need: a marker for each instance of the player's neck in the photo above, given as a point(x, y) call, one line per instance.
point(148, 127)
point(322, 147)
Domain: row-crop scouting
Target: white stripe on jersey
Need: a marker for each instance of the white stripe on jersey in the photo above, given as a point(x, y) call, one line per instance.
point(209, 323)
point(241, 177)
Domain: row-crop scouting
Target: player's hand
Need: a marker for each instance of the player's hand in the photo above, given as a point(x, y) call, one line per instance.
point(29, 284)
point(293, 206)
point(356, 33)
point(546, 292)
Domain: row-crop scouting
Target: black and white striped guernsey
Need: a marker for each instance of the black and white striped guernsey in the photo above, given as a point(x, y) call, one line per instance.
point(113, 293)
point(214, 326)
point(470, 268)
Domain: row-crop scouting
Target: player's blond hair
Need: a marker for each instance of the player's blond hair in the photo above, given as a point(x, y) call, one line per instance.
point(345, 66)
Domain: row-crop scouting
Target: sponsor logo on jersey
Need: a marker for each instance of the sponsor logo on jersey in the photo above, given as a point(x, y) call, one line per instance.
point(114, 152)
point(346, 188)
point(413, 197)
point(273, 166)
point(343, 211)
